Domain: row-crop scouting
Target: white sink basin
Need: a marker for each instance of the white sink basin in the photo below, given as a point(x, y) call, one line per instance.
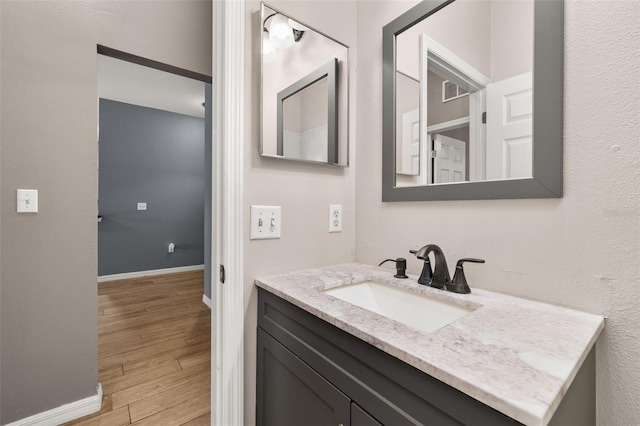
point(416, 310)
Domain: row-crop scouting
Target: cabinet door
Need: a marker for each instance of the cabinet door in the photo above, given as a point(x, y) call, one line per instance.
point(359, 417)
point(292, 393)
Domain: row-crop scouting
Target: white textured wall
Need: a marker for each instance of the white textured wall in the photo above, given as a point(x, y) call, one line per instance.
point(581, 251)
point(303, 190)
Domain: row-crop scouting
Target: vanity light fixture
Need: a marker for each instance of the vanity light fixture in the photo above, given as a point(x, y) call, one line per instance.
point(269, 53)
point(282, 33)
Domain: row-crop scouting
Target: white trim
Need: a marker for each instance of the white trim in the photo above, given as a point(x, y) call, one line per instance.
point(448, 125)
point(150, 273)
point(64, 413)
point(448, 65)
point(227, 352)
point(425, 143)
point(477, 134)
point(206, 301)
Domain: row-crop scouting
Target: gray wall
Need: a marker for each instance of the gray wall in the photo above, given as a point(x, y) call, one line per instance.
point(48, 267)
point(153, 156)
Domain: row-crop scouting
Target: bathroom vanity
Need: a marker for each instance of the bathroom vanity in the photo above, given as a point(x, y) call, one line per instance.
point(505, 360)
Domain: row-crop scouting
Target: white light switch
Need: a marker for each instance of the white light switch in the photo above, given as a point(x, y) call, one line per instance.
point(27, 201)
point(142, 206)
point(335, 218)
point(266, 222)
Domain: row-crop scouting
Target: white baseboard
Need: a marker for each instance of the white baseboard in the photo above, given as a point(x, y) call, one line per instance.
point(206, 300)
point(140, 274)
point(64, 413)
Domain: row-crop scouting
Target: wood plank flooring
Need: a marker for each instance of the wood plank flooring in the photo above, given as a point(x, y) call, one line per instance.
point(154, 352)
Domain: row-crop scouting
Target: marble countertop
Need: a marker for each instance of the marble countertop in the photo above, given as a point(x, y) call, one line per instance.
point(514, 355)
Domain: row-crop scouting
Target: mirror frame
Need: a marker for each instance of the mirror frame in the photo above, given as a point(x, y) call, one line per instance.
point(343, 143)
point(548, 73)
point(330, 71)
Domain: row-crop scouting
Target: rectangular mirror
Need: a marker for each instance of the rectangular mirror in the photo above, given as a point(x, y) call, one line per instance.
point(472, 101)
point(304, 92)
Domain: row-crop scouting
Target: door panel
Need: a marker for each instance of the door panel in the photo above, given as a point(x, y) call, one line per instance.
point(450, 162)
point(292, 393)
point(411, 143)
point(510, 128)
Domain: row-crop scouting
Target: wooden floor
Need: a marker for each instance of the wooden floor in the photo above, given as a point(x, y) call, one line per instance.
point(154, 340)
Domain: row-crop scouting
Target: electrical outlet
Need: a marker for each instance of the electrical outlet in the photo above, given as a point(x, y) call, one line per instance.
point(142, 206)
point(266, 222)
point(335, 218)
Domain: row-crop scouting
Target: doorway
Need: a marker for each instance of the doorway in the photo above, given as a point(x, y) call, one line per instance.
point(154, 241)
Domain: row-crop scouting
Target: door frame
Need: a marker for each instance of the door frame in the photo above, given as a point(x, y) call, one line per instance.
point(448, 65)
point(227, 328)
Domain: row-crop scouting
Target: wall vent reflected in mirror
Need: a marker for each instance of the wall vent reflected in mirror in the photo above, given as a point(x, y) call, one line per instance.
point(304, 92)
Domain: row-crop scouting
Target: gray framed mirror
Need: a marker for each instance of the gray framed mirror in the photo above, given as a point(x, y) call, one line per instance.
point(304, 92)
point(473, 101)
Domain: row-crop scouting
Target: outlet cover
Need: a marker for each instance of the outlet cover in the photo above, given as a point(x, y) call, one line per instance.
point(266, 222)
point(335, 218)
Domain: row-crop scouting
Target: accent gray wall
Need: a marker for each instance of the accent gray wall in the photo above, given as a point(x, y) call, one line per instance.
point(152, 156)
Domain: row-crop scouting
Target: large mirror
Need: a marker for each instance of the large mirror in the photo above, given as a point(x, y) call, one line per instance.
point(304, 92)
point(472, 101)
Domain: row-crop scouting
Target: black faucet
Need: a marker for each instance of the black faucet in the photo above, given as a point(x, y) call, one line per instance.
point(440, 277)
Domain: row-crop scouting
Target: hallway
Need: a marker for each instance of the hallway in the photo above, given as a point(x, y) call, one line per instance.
point(154, 339)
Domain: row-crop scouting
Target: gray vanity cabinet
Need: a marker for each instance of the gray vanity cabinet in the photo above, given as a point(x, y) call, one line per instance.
point(293, 393)
point(359, 417)
point(312, 373)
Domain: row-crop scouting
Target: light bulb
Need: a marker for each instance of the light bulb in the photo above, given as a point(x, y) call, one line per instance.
point(269, 53)
point(280, 33)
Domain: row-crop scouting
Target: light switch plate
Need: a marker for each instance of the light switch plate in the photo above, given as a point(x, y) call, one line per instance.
point(142, 206)
point(27, 201)
point(266, 222)
point(335, 218)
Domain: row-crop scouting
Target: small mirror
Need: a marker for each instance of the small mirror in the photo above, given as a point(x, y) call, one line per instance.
point(472, 96)
point(304, 93)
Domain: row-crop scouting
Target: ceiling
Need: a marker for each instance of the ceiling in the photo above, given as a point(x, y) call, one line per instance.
point(135, 84)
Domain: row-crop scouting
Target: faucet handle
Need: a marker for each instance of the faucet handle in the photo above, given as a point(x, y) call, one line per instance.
point(468, 259)
point(415, 253)
point(459, 283)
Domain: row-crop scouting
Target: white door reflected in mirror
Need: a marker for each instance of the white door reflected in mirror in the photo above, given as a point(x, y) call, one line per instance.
point(468, 69)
